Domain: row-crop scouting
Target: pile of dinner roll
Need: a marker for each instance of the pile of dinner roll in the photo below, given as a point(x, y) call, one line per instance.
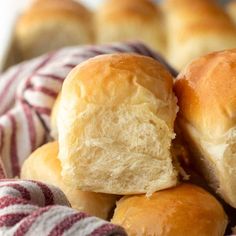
point(180, 30)
point(129, 142)
point(113, 123)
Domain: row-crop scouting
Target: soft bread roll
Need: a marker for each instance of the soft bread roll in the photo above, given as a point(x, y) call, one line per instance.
point(231, 9)
point(43, 165)
point(206, 91)
point(53, 24)
point(183, 210)
point(196, 28)
point(115, 124)
point(131, 20)
point(54, 130)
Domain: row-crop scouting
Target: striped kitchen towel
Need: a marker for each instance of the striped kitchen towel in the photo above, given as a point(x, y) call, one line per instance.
point(30, 208)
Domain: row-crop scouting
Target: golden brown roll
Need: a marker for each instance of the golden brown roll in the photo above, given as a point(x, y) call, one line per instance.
point(206, 91)
point(53, 24)
point(231, 9)
point(131, 20)
point(115, 123)
point(43, 165)
point(196, 28)
point(183, 210)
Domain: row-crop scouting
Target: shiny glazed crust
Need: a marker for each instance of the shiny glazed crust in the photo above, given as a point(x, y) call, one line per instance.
point(182, 210)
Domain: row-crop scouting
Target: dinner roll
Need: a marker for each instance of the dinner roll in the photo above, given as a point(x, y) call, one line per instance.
point(196, 28)
point(43, 165)
point(183, 210)
point(53, 24)
point(206, 91)
point(131, 20)
point(115, 125)
point(231, 9)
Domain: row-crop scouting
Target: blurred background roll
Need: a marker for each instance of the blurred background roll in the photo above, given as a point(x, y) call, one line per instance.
point(131, 20)
point(51, 24)
point(196, 28)
point(43, 165)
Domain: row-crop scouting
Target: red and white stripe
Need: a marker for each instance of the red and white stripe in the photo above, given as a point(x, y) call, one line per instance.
point(30, 208)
